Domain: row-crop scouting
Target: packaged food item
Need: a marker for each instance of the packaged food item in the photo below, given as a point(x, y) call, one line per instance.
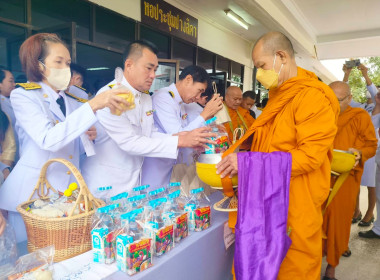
point(222, 140)
point(8, 250)
point(199, 211)
point(133, 247)
point(172, 187)
point(74, 189)
point(211, 147)
point(141, 189)
point(37, 265)
point(104, 193)
point(104, 236)
point(127, 95)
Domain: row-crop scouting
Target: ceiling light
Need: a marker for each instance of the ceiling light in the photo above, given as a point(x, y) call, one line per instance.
point(238, 19)
point(97, 68)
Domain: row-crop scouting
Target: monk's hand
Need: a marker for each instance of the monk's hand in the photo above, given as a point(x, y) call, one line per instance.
point(212, 107)
point(92, 133)
point(228, 166)
point(358, 155)
point(196, 138)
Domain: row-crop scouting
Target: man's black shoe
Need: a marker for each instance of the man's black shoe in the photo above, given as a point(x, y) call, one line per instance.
point(369, 234)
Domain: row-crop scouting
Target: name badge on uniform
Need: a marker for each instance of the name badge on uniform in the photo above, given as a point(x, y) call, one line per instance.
point(150, 112)
point(184, 117)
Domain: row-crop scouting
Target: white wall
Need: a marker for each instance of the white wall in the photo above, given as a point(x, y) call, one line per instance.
point(210, 37)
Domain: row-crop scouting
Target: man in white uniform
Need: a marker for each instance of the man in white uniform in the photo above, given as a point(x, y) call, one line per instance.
point(375, 231)
point(123, 141)
point(171, 117)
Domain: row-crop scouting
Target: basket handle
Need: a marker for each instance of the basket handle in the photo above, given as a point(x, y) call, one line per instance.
point(84, 193)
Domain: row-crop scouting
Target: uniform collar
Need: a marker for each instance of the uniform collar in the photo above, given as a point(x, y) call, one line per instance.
point(174, 90)
point(55, 95)
point(135, 92)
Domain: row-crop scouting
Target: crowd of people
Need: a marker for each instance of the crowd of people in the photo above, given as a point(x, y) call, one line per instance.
point(52, 116)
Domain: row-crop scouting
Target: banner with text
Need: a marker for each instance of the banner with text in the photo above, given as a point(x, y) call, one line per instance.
point(165, 17)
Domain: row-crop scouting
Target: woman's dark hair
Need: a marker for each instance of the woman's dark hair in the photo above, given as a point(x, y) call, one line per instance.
point(4, 124)
point(35, 49)
point(2, 74)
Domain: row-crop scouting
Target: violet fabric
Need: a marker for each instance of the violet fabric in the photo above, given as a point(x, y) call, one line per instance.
point(261, 240)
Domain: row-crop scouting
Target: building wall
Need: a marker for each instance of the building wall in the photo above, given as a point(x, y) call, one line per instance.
point(210, 37)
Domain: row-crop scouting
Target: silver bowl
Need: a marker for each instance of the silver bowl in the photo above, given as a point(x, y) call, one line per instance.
point(210, 158)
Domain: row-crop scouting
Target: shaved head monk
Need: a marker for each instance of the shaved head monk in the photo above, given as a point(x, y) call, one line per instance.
point(240, 117)
point(356, 133)
point(301, 119)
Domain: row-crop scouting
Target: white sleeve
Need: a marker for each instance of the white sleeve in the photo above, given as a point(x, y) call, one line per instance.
point(165, 115)
point(45, 133)
point(121, 131)
point(376, 120)
point(372, 89)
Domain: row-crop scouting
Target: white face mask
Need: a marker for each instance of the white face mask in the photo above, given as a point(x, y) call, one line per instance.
point(58, 78)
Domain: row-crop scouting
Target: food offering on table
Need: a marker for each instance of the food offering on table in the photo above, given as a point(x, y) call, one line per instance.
point(59, 204)
point(198, 209)
point(132, 229)
point(222, 140)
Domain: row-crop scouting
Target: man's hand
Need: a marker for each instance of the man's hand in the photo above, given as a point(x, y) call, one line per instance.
point(228, 166)
point(92, 133)
point(195, 138)
point(6, 173)
point(3, 223)
point(347, 72)
point(358, 155)
point(110, 99)
point(363, 69)
point(212, 107)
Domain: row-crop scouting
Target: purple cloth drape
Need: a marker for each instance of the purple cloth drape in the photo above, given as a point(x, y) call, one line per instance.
point(261, 240)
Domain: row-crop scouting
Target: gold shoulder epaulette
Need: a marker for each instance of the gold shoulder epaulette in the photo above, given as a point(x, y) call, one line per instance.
point(28, 86)
point(82, 100)
point(81, 88)
point(111, 86)
point(171, 93)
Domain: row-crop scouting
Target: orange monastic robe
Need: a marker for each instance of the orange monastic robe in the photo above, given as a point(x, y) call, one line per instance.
point(355, 130)
point(239, 118)
point(300, 118)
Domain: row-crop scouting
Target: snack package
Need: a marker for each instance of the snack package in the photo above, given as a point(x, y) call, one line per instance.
point(104, 235)
point(133, 247)
point(104, 193)
point(141, 189)
point(33, 266)
point(199, 211)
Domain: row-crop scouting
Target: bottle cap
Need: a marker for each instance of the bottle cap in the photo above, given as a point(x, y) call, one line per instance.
point(73, 186)
point(68, 192)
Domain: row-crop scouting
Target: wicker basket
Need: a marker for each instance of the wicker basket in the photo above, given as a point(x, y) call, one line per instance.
point(70, 235)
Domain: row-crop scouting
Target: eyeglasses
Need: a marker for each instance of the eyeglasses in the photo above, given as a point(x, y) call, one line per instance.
point(344, 98)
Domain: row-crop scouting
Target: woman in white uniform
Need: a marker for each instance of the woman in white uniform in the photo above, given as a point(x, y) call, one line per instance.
point(49, 123)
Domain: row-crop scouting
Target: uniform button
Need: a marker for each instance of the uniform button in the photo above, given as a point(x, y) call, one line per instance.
point(141, 119)
point(56, 121)
point(68, 173)
point(45, 95)
point(70, 156)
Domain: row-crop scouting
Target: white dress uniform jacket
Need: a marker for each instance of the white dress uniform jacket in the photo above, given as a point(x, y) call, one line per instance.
point(44, 133)
point(170, 117)
point(123, 142)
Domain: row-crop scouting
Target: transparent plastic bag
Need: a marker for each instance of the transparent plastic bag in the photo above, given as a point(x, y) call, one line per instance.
point(8, 250)
point(34, 266)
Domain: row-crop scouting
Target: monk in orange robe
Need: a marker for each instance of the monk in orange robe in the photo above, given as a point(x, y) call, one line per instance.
point(240, 117)
point(300, 118)
point(356, 133)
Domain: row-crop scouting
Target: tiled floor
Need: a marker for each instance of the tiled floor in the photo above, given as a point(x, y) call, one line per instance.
point(364, 263)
